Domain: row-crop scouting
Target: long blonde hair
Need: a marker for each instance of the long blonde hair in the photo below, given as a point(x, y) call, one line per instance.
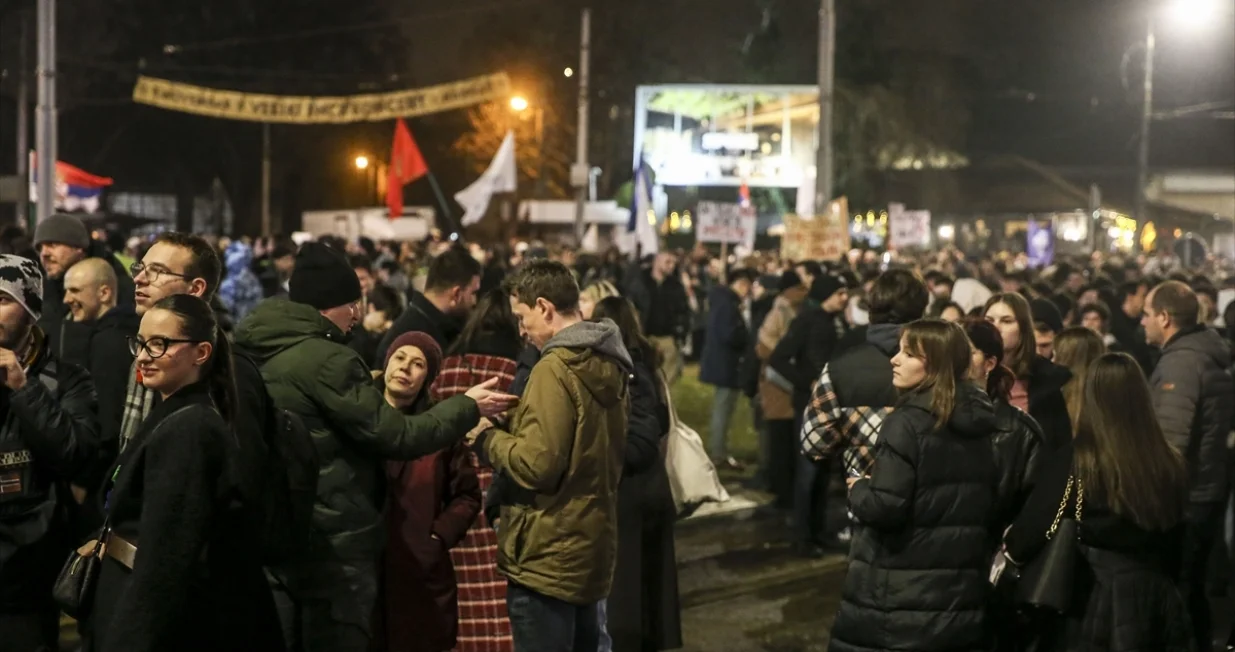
point(1077, 348)
point(944, 348)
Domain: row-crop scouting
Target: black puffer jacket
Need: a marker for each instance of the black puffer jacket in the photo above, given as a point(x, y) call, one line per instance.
point(1019, 449)
point(919, 561)
point(1192, 393)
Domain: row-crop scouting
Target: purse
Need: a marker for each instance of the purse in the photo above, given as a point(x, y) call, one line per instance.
point(1047, 582)
point(74, 585)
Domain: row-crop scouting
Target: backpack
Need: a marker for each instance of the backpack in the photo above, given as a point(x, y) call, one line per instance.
point(286, 488)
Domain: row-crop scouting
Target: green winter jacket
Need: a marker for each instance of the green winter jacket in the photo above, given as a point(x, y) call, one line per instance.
point(566, 448)
point(310, 371)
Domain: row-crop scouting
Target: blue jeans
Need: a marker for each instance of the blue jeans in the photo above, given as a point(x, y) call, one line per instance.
point(725, 401)
point(543, 624)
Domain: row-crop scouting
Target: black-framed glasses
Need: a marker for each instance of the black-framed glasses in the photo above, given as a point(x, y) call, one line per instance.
point(155, 347)
point(153, 273)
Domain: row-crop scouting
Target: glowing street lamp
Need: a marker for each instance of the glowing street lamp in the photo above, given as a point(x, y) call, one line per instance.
point(569, 72)
point(362, 162)
point(518, 103)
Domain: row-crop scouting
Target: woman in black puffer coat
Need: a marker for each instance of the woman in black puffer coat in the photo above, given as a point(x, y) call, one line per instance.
point(921, 554)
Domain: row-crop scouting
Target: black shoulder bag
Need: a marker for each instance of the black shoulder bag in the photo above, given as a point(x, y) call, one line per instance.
point(75, 584)
point(1048, 581)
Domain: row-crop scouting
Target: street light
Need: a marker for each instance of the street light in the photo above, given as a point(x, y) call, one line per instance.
point(518, 103)
point(569, 72)
point(362, 162)
point(1192, 14)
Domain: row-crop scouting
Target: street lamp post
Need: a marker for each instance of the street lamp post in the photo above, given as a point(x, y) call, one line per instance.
point(1147, 112)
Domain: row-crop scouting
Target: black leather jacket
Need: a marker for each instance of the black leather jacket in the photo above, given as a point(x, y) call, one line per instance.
point(1020, 447)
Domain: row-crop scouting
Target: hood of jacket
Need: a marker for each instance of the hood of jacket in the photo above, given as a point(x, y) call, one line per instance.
point(587, 349)
point(887, 337)
point(238, 257)
point(1201, 341)
point(276, 325)
point(972, 416)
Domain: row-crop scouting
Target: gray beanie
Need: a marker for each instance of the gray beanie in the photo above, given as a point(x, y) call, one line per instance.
point(62, 228)
point(22, 279)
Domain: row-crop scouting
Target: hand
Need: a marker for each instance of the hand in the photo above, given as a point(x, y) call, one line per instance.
point(79, 494)
point(10, 366)
point(474, 433)
point(491, 403)
point(375, 322)
point(852, 481)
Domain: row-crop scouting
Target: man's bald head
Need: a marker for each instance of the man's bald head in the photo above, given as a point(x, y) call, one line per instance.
point(90, 289)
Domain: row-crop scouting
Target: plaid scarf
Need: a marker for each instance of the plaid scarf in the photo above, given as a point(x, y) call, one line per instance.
point(138, 402)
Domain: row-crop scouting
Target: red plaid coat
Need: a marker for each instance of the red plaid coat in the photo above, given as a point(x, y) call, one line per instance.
point(483, 623)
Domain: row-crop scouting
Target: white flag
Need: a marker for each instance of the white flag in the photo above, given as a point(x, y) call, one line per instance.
point(641, 215)
point(501, 176)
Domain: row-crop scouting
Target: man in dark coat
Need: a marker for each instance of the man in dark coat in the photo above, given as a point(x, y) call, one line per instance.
point(800, 357)
point(854, 393)
point(49, 434)
point(1192, 391)
point(91, 295)
point(62, 240)
point(726, 344)
point(664, 309)
point(450, 292)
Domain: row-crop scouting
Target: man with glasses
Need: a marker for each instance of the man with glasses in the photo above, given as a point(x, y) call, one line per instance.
point(48, 434)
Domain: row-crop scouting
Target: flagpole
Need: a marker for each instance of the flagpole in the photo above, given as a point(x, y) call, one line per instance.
point(441, 199)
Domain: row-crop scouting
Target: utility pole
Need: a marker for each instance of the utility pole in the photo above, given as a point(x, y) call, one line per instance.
point(1147, 112)
point(23, 121)
point(46, 123)
point(265, 179)
point(827, 70)
point(579, 172)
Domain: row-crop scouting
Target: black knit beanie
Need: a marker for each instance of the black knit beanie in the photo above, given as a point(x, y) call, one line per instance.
point(322, 278)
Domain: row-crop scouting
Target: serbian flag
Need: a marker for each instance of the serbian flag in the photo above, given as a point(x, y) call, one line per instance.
point(76, 189)
point(406, 166)
point(744, 195)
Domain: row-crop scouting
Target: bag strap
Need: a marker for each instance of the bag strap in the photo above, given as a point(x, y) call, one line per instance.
point(1063, 505)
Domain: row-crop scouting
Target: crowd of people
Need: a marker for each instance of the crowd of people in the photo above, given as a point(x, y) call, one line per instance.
point(426, 446)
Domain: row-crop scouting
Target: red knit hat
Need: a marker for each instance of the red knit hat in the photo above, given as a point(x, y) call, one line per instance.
point(427, 346)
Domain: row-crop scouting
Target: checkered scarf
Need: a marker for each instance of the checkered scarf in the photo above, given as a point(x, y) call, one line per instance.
point(829, 428)
point(138, 402)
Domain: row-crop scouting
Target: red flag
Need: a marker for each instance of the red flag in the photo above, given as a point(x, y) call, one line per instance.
point(406, 166)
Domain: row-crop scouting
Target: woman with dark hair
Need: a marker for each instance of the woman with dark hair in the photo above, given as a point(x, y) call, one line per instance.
point(1039, 382)
point(180, 568)
point(924, 513)
point(432, 502)
point(643, 613)
point(1018, 439)
point(1132, 487)
point(486, 348)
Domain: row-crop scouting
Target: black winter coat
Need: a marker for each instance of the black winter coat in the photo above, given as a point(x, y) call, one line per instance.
point(420, 315)
point(48, 435)
point(1019, 450)
point(806, 348)
point(920, 558)
point(102, 348)
point(726, 342)
point(1047, 405)
point(1192, 392)
point(1125, 600)
point(643, 611)
point(197, 583)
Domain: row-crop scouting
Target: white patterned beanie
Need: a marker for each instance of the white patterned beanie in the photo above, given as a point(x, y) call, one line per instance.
point(22, 279)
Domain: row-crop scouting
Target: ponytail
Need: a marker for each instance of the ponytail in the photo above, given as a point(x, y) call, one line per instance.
point(222, 376)
point(999, 383)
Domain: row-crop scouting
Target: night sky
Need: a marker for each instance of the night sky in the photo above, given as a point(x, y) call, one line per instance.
point(1038, 79)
